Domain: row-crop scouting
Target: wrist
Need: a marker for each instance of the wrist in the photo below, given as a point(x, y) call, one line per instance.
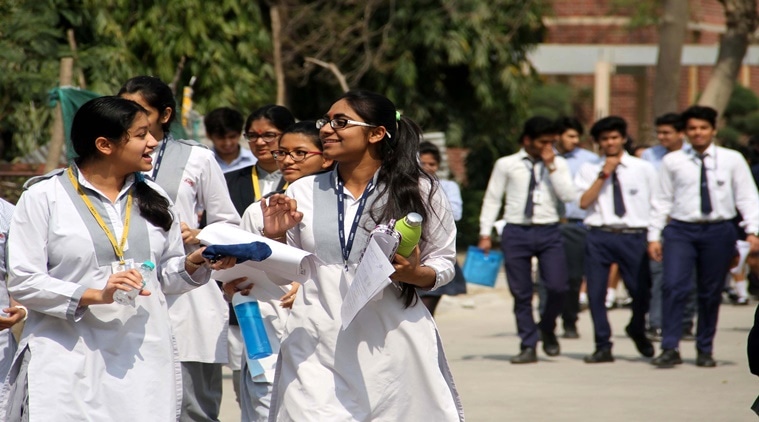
point(485, 236)
point(272, 236)
point(603, 175)
point(189, 263)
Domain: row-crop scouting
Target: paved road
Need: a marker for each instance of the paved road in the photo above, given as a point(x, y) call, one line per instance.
point(479, 334)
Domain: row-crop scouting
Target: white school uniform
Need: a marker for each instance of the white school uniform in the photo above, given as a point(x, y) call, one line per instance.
point(102, 362)
point(191, 176)
point(388, 364)
point(7, 341)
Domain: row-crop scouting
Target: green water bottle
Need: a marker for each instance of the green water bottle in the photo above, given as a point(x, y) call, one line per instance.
point(410, 229)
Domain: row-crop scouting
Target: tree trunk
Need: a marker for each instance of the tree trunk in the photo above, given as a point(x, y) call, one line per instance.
point(741, 18)
point(55, 147)
point(672, 28)
point(276, 39)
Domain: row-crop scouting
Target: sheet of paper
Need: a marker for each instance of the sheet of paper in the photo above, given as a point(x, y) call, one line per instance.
point(371, 278)
point(286, 263)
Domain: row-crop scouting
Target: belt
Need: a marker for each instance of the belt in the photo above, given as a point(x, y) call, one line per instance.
point(621, 230)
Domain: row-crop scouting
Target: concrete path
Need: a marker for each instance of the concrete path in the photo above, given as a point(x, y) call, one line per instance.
point(479, 334)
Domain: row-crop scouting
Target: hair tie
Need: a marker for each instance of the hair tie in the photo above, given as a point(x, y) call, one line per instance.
point(397, 116)
point(139, 177)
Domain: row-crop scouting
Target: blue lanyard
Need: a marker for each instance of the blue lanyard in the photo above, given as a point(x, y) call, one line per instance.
point(346, 247)
point(159, 158)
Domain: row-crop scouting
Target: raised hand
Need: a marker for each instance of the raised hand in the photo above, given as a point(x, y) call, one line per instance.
point(280, 214)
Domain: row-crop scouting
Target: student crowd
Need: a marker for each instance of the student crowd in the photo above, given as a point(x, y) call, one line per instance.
point(134, 193)
point(674, 222)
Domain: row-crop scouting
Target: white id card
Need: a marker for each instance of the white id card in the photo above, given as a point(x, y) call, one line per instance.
point(117, 267)
point(537, 197)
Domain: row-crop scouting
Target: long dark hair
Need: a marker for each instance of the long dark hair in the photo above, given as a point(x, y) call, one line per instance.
point(111, 118)
point(156, 93)
point(400, 172)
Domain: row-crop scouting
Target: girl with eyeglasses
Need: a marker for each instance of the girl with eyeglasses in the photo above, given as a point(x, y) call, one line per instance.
point(263, 129)
point(299, 154)
point(192, 178)
point(388, 363)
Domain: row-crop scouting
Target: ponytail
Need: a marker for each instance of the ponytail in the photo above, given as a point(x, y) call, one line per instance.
point(154, 207)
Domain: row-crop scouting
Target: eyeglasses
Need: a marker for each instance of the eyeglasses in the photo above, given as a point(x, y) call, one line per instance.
point(340, 123)
point(267, 137)
point(296, 156)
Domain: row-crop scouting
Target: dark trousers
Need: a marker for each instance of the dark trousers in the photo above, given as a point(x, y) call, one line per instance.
point(709, 249)
point(655, 307)
point(573, 234)
point(519, 245)
point(629, 251)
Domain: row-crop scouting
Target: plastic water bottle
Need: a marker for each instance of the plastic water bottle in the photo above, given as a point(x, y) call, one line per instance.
point(410, 229)
point(127, 298)
point(252, 326)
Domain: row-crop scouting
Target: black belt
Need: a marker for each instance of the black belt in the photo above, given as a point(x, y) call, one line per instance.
point(621, 230)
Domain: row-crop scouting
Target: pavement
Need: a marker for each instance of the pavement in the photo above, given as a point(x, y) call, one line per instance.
point(479, 336)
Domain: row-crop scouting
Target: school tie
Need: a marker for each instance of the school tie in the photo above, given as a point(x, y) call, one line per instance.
point(619, 203)
point(706, 201)
point(529, 206)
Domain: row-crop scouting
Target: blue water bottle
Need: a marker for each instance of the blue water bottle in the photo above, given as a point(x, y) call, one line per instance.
point(252, 326)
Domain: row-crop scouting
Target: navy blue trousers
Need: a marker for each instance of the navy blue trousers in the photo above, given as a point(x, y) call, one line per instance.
point(629, 251)
point(519, 245)
point(708, 248)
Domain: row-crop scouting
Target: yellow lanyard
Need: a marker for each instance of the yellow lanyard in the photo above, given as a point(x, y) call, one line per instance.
point(256, 187)
point(118, 248)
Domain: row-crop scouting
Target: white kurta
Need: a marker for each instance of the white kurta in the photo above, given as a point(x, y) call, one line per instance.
point(200, 317)
point(388, 365)
point(7, 341)
point(102, 362)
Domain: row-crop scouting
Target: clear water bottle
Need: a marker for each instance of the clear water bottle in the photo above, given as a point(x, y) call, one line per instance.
point(252, 327)
point(127, 298)
point(410, 229)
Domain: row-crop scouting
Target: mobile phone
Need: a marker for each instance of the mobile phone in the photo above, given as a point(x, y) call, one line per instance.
point(387, 239)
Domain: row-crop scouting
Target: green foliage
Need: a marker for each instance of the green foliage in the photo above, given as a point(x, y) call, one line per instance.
point(551, 100)
point(741, 118)
point(742, 102)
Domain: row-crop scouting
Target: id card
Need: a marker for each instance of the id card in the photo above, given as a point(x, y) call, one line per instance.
point(117, 267)
point(537, 197)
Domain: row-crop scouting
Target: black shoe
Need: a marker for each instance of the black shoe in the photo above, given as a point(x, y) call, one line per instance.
point(642, 343)
point(570, 333)
point(527, 355)
point(667, 359)
point(688, 335)
point(653, 334)
point(599, 356)
point(705, 360)
point(550, 343)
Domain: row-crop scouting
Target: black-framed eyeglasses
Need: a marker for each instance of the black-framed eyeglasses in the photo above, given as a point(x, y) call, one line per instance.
point(267, 137)
point(340, 123)
point(296, 156)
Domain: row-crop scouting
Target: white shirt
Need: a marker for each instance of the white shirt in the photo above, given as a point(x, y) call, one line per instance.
point(84, 359)
point(511, 176)
point(200, 317)
point(678, 196)
point(656, 153)
point(7, 341)
point(268, 182)
point(453, 193)
point(244, 159)
point(575, 159)
point(327, 373)
point(637, 179)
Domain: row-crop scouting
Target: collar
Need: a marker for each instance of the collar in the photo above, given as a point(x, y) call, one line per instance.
point(709, 152)
point(128, 182)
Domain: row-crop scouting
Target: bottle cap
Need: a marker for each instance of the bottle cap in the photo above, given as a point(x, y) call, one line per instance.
point(413, 219)
point(149, 264)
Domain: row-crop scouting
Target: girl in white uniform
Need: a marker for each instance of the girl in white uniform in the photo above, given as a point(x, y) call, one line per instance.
point(72, 236)
point(299, 154)
point(388, 364)
point(189, 173)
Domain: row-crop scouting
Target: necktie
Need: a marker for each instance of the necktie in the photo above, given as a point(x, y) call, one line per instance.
point(528, 207)
point(619, 203)
point(706, 201)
